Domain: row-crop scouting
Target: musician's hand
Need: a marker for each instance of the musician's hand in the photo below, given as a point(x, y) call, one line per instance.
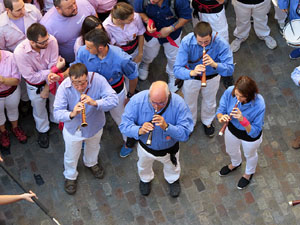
point(237, 114)
point(165, 31)
point(224, 118)
point(199, 69)
point(159, 121)
point(28, 196)
point(77, 109)
point(146, 128)
point(285, 10)
point(208, 61)
point(60, 63)
point(53, 77)
point(1, 160)
point(88, 100)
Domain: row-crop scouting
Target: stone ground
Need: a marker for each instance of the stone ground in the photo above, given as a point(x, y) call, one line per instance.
point(206, 198)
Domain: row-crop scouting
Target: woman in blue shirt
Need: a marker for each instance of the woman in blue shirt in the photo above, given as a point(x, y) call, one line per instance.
point(245, 121)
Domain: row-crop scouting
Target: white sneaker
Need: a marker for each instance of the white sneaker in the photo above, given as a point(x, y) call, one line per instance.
point(236, 44)
point(171, 84)
point(143, 71)
point(270, 42)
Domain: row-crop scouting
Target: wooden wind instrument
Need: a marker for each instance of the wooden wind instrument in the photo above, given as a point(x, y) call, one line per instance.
point(149, 139)
point(221, 132)
point(203, 78)
point(295, 202)
point(83, 117)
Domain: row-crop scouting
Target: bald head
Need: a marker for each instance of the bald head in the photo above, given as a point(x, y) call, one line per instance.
point(159, 92)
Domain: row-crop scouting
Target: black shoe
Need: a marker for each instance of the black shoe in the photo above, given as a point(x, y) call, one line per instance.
point(145, 188)
point(209, 131)
point(243, 182)
point(175, 189)
point(43, 140)
point(225, 170)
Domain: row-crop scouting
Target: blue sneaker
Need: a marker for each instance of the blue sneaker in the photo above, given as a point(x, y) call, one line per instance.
point(125, 151)
point(295, 54)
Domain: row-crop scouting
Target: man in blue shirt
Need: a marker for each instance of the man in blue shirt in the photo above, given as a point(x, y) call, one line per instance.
point(89, 91)
point(164, 18)
point(112, 63)
point(169, 120)
point(189, 66)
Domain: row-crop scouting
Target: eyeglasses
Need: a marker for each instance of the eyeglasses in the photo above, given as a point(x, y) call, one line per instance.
point(43, 42)
point(79, 82)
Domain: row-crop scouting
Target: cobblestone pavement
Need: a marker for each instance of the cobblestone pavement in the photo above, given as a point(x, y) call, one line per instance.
point(206, 198)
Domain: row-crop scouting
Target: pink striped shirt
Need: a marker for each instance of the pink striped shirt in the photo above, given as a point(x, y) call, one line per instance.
point(8, 68)
point(35, 66)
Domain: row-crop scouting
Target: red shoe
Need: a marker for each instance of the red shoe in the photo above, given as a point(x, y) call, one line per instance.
point(4, 139)
point(20, 135)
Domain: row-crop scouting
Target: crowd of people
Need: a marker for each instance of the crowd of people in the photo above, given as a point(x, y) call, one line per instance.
point(85, 58)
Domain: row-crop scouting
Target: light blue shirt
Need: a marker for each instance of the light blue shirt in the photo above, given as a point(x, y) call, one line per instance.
point(296, 75)
point(190, 50)
point(139, 110)
point(115, 64)
point(254, 111)
point(67, 97)
point(291, 5)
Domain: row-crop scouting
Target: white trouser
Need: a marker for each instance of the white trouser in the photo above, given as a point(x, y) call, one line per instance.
point(217, 21)
point(10, 103)
point(40, 113)
point(145, 162)
point(279, 15)
point(73, 144)
point(191, 90)
point(117, 112)
point(243, 14)
point(233, 144)
point(133, 55)
point(151, 50)
point(24, 95)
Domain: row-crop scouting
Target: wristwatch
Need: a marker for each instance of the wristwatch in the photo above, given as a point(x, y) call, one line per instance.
point(167, 127)
point(129, 95)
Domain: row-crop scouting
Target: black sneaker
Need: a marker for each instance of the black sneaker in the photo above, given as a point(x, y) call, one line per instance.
point(43, 140)
point(225, 170)
point(145, 188)
point(243, 182)
point(209, 131)
point(175, 189)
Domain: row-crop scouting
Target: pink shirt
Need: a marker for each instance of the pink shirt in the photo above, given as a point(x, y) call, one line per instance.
point(119, 36)
point(35, 66)
point(8, 68)
point(102, 6)
point(10, 34)
point(67, 29)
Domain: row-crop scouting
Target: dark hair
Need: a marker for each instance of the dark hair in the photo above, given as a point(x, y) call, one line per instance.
point(56, 3)
point(89, 23)
point(122, 11)
point(202, 29)
point(98, 37)
point(78, 70)
point(9, 4)
point(247, 87)
point(35, 31)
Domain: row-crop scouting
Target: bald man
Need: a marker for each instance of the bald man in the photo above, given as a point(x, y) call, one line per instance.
point(168, 118)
